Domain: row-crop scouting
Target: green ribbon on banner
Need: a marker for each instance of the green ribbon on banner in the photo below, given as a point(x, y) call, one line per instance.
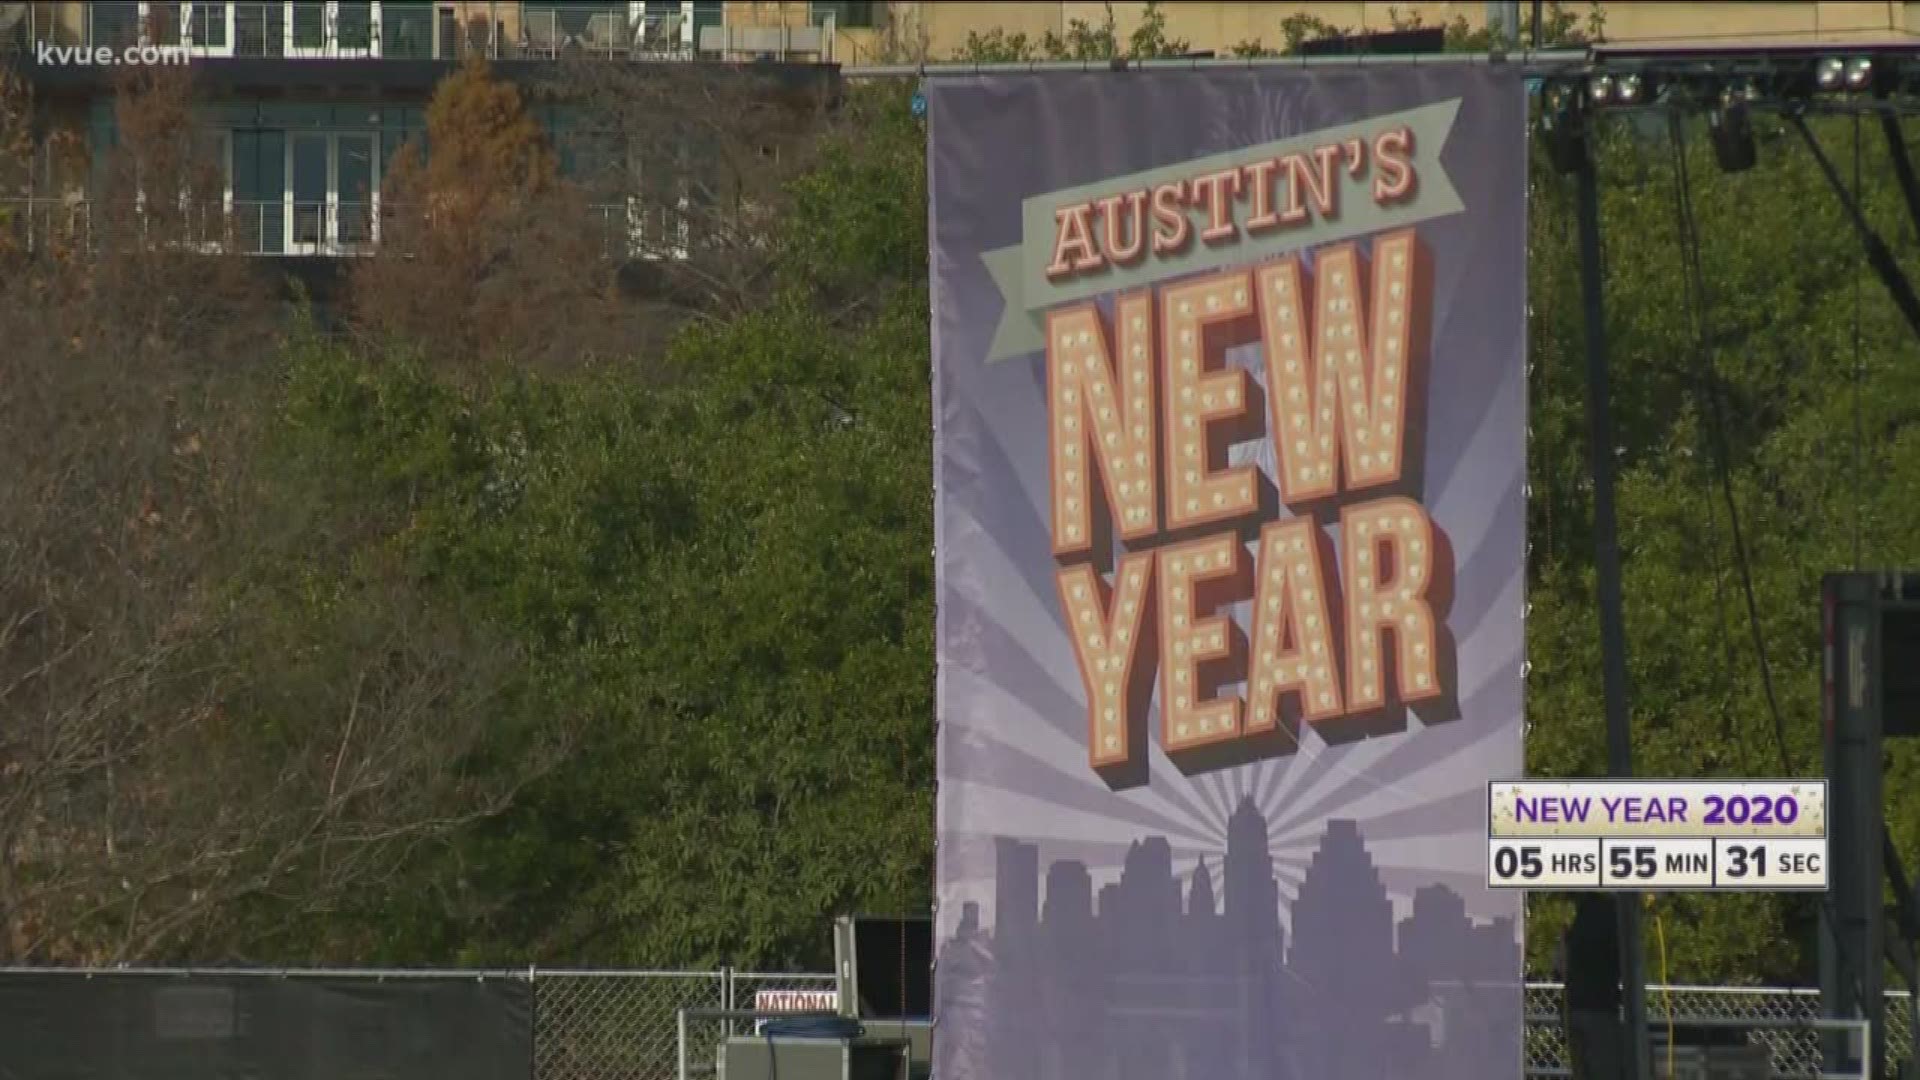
point(1020, 270)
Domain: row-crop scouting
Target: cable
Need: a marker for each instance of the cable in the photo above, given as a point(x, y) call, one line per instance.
point(1695, 296)
point(1689, 300)
point(814, 1027)
point(1859, 428)
point(1666, 984)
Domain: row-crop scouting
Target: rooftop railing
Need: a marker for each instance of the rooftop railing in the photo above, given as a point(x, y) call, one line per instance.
point(309, 30)
point(333, 228)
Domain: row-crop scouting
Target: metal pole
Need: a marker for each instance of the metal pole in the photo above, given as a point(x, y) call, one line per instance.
point(680, 1031)
point(1613, 634)
point(1503, 20)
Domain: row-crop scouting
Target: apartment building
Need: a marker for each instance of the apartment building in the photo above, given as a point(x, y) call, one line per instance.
point(309, 99)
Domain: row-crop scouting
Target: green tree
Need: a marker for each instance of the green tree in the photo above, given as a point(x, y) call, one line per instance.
point(1081, 40)
point(706, 573)
point(720, 575)
point(1558, 28)
point(1782, 362)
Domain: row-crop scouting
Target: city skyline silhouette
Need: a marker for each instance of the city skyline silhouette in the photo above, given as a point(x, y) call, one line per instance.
point(1155, 977)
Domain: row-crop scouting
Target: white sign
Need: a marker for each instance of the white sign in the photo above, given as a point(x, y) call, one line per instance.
point(796, 1001)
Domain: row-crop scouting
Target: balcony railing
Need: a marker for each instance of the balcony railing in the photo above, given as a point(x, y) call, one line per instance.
point(304, 29)
point(608, 32)
point(287, 227)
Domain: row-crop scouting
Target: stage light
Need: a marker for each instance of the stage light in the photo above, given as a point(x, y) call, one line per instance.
point(1740, 91)
point(1563, 126)
point(1831, 72)
point(1628, 89)
point(1859, 73)
point(1556, 99)
point(1730, 129)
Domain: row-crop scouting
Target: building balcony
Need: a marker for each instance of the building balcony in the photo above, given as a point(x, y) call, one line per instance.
point(153, 32)
point(289, 228)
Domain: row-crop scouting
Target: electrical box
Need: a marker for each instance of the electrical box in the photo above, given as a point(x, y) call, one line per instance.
point(746, 1057)
point(1714, 1063)
point(1870, 693)
point(885, 970)
point(1709, 1053)
point(885, 967)
point(917, 1034)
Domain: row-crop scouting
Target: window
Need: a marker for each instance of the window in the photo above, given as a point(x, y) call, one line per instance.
point(553, 25)
point(353, 27)
point(114, 26)
point(309, 27)
point(407, 30)
point(160, 24)
point(194, 215)
point(319, 28)
point(858, 16)
point(705, 13)
point(306, 192)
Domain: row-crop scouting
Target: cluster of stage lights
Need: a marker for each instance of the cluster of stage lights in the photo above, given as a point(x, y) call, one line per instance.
point(1726, 91)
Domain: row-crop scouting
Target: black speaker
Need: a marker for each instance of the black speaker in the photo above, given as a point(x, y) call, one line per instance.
point(1593, 954)
point(1900, 667)
point(1873, 651)
point(885, 966)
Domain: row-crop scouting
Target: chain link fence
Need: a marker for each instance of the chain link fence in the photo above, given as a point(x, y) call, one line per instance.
point(623, 1025)
point(620, 1025)
point(1796, 1051)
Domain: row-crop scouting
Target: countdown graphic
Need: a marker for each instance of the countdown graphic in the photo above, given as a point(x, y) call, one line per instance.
point(1658, 836)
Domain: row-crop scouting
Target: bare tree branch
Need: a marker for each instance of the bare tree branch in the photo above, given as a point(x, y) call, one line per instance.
point(183, 737)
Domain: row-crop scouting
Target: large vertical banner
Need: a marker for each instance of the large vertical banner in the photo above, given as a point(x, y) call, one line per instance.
point(1230, 452)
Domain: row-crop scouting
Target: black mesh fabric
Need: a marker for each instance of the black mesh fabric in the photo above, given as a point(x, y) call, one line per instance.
point(73, 1026)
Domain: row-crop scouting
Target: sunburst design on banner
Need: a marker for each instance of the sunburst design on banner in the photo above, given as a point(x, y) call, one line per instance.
point(1366, 853)
point(1409, 794)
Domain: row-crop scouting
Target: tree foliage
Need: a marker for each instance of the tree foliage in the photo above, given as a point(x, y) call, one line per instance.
point(1082, 40)
point(720, 571)
point(221, 713)
point(481, 241)
point(673, 612)
point(1800, 346)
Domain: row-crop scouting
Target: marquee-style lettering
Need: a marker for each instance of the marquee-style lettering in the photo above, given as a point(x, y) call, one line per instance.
point(1101, 419)
point(1113, 634)
point(1337, 344)
point(1293, 645)
point(1387, 548)
point(1208, 406)
point(1199, 649)
point(1339, 382)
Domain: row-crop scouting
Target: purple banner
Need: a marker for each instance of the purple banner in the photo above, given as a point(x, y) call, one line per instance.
point(1230, 457)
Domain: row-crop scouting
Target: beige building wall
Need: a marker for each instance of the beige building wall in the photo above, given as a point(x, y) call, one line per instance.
point(1640, 20)
point(933, 30)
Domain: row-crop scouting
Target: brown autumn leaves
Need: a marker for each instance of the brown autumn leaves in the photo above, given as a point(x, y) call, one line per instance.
point(216, 721)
